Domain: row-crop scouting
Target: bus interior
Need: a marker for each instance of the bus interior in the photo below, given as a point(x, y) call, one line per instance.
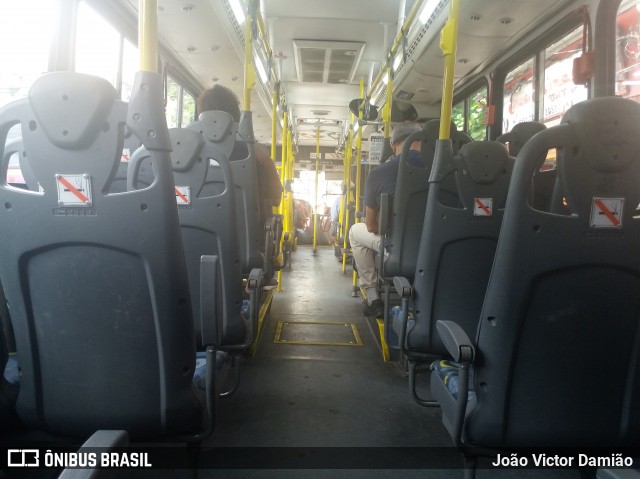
point(152, 300)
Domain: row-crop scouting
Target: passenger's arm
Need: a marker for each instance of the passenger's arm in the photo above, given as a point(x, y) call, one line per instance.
point(274, 191)
point(371, 219)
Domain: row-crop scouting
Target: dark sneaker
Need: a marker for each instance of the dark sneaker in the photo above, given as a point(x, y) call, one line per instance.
point(375, 309)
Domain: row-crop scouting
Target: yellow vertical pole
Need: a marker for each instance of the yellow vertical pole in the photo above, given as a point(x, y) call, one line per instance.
point(448, 44)
point(274, 123)
point(341, 229)
point(283, 209)
point(317, 211)
point(290, 175)
point(148, 35)
point(358, 170)
point(347, 162)
point(249, 71)
point(386, 110)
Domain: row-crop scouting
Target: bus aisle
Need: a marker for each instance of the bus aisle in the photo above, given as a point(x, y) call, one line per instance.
point(329, 406)
point(320, 395)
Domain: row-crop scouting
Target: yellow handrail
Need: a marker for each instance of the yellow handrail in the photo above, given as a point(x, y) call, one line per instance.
point(148, 35)
point(347, 161)
point(316, 216)
point(283, 209)
point(386, 110)
point(448, 44)
point(358, 170)
point(249, 71)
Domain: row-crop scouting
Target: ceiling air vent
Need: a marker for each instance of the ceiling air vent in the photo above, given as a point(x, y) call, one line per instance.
point(321, 61)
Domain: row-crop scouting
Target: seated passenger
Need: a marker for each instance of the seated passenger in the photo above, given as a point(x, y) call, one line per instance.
point(364, 237)
point(222, 99)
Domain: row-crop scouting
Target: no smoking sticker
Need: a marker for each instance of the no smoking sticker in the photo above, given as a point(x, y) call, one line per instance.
point(606, 212)
point(483, 207)
point(74, 190)
point(183, 195)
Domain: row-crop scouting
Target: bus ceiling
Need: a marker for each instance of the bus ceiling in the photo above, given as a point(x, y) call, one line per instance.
point(321, 50)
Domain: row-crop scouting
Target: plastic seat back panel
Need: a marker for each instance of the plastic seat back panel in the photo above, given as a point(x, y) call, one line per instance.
point(458, 244)
point(98, 293)
point(560, 319)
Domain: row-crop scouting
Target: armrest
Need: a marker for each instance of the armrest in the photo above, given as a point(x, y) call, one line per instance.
point(209, 285)
point(456, 341)
point(402, 286)
point(459, 346)
point(254, 285)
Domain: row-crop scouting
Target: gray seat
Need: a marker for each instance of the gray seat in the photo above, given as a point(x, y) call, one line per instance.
point(256, 234)
point(402, 214)
point(206, 210)
point(562, 308)
point(543, 194)
point(96, 283)
point(520, 134)
point(245, 178)
point(456, 250)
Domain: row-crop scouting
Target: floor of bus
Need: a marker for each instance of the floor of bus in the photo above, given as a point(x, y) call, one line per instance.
point(316, 411)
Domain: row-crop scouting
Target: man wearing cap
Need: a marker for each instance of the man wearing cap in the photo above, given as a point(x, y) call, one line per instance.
point(364, 237)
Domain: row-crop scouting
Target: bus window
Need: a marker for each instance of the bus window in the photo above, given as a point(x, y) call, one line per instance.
point(457, 115)
point(628, 50)
point(519, 100)
point(172, 108)
point(97, 45)
point(477, 105)
point(130, 61)
point(559, 90)
point(188, 108)
point(26, 28)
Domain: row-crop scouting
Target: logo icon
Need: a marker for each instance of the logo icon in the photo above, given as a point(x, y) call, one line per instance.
point(23, 457)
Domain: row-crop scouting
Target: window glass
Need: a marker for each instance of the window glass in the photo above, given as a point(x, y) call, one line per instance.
point(628, 50)
point(188, 108)
point(457, 115)
point(130, 65)
point(26, 29)
point(171, 109)
point(97, 45)
point(560, 93)
point(477, 105)
point(519, 98)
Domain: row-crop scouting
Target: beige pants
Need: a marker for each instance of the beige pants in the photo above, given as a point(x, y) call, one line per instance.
point(363, 246)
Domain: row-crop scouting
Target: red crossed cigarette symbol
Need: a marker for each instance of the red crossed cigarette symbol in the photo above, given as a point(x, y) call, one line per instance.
point(75, 191)
point(482, 206)
point(610, 216)
point(182, 197)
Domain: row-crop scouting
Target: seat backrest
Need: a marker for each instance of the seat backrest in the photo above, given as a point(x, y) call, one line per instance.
point(245, 178)
point(408, 204)
point(559, 334)
point(207, 215)
point(520, 134)
point(458, 244)
point(544, 180)
point(96, 283)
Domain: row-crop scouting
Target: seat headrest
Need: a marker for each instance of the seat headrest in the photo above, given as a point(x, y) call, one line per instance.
point(71, 108)
point(607, 128)
point(520, 134)
point(186, 146)
point(484, 160)
point(217, 125)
